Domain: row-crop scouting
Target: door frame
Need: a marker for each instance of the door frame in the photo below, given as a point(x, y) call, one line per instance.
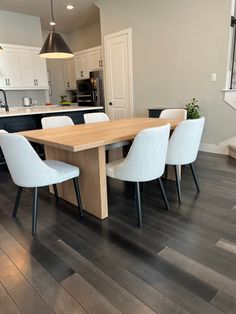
point(128, 32)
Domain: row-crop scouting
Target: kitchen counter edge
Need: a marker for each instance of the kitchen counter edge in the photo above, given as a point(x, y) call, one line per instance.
point(34, 110)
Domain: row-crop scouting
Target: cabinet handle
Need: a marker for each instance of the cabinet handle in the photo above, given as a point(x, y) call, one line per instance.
point(37, 83)
point(6, 82)
point(34, 82)
point(110, 103)
point(101, 63)
point(9, 84)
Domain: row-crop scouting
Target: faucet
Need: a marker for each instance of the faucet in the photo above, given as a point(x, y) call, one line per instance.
point(5, 105)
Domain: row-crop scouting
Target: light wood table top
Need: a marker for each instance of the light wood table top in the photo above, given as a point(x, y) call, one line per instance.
point(86, 136)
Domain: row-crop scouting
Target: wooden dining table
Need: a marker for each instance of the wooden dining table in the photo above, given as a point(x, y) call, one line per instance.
point(83, 145)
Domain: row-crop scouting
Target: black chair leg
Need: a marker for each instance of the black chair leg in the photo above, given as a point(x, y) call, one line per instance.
point(138, 205)
point(163, 192)
point(34, 212)
point(166, 172)
point(107, 156)
point(17, 202)
point(125, 150)
point(78, 197)
point(177, 177)
point(56, 193)
point(195, 177)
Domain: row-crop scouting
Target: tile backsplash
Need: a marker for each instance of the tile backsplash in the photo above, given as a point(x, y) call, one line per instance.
point(15, 97)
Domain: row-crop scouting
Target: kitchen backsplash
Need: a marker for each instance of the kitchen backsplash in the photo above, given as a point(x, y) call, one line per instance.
point(14, 98)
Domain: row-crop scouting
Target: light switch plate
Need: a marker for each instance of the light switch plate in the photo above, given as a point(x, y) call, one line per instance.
point(213, 77)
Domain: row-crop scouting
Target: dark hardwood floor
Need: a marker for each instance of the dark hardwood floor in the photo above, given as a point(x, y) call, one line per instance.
point(182, 261)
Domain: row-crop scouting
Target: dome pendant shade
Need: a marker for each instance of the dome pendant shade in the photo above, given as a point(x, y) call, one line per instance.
point(55, 48)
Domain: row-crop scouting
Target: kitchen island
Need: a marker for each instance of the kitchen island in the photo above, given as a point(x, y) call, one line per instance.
point(25, 119)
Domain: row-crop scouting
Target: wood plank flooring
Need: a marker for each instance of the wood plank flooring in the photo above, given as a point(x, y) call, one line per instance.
point(182, 261)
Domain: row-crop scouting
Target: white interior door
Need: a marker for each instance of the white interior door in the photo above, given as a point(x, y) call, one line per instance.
point(119, 74)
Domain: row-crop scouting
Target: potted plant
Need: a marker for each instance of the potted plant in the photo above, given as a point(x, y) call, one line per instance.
point(193, 109)
point(63, 101)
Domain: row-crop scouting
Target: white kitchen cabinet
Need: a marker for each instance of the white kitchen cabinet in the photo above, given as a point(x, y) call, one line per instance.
point(22, 68)
point(86, 61)
point(2, 72)
point(82, 66)
point(11, 78)
point(95, 59)
point(69, 74)
point(40, 71)
point(27, 69)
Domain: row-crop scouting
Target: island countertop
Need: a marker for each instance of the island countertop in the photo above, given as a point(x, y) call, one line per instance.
point(13, 112)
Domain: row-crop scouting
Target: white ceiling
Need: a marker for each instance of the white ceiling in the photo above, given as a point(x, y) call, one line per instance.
point(84, 12)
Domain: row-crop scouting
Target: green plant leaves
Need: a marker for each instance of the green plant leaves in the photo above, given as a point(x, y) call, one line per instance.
point(193, 109)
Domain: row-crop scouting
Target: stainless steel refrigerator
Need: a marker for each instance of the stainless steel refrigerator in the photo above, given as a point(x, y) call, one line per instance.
point(90, 91)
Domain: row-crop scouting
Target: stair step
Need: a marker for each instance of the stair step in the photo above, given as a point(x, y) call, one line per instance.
point(232, 151)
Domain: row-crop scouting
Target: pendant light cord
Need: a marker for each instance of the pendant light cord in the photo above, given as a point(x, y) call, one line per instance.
point(52, 14)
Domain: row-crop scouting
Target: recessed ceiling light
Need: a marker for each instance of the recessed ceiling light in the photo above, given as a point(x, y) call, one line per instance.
point(70, 7)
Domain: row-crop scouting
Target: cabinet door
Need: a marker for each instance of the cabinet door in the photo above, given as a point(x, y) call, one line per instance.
point(27, 69)
point(78, 68)
point(3, 80)
point(95, 61)
point(82, 66)
point(69, 74)
point(12, 68)
point(84, 58)
point(40, 71)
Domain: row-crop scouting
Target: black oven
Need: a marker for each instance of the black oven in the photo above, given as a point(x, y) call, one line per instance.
point(84, 92)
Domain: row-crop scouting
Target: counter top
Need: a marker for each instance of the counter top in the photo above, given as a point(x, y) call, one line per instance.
point(44, 109)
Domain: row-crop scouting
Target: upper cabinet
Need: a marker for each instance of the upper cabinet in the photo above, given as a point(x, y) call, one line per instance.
point(95, 59)
point(40, 71)
point(69, 74)
point(86, 61)
point(10, 69)
point(22, 68)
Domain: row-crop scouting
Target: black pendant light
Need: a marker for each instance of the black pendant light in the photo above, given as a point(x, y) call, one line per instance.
point(55, 47)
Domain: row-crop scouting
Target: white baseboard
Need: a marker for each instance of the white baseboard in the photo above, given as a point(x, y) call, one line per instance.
point(213, 148)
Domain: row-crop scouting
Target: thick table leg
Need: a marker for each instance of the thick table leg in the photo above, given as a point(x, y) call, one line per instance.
point(92, 179)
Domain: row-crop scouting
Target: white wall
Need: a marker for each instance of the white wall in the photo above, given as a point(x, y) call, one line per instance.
point(84, 38)
point(176, 46)
point(20, 29)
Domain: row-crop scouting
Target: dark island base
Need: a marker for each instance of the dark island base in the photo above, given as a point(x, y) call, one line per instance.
point(33, 122)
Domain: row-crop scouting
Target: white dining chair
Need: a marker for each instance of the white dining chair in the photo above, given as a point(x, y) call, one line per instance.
point(29, 171)
point(183, 148)
point(145, 162)
point(56, 122)
point(96, 117)
point(180, 114)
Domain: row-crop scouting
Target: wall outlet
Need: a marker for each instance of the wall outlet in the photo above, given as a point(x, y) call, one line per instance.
point(213, 77)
